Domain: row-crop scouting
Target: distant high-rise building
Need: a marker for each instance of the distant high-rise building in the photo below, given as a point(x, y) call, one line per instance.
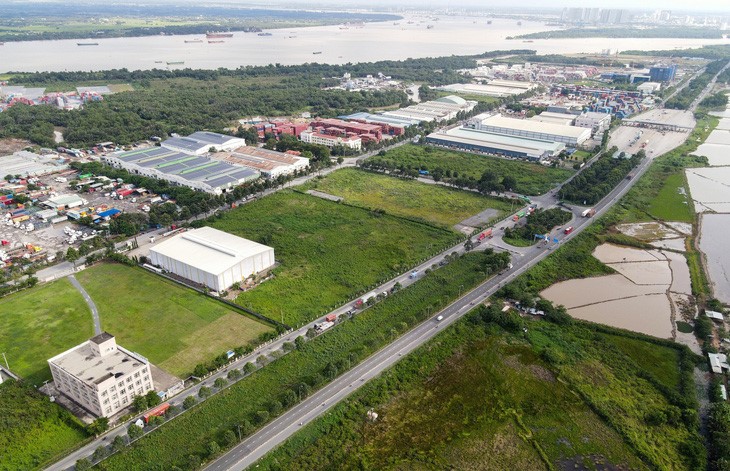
point(665, 15)
point(615, 16)
point(663, 73)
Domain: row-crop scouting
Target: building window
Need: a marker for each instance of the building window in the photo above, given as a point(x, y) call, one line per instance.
point(106, 401)
point(125, 400)
point(121, 385)
point(129, 380)
point(122, 391)
point(103, 393)
point(108, 410)
point(136, 375)
point(116, 405)
point(138, 382)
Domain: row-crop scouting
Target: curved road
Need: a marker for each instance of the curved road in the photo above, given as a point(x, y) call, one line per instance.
point(89, 301)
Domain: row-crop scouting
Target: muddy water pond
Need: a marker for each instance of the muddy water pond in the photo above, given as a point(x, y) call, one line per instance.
point(713, 243)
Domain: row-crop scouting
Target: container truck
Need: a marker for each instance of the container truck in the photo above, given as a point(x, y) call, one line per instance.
point(588, 213)
point(568, 230)
point(484, 234)
point(331, 318)
point(156, 412)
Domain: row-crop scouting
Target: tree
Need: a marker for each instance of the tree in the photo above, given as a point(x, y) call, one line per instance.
point(509, 182)
point(220, 383)
point(229, 438)
point(119, 443)
point(299, 342)
point(249, 368)
point(288, 346)
point(189, 402)
point(234, 374)
point(213, 448)
point(100, 453)
point(98, 426)
point(140, 403)
point(193, 462)
point(72, 254)
point(261, 360)
point(134, 432)
point(204, 392)
point(153, 399)
point(261, 417)
point(289, 398)
point(83, 464)
point(200, 370)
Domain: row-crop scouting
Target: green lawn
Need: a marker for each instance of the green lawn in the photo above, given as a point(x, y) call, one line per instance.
point(39, 323)
point(672, 203)
point(175, 327)
point(431, 203)
point(33, 430)
point(532, 179)
point(328, 252)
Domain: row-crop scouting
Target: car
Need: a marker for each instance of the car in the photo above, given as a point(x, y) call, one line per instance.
point(439, 318)
point(413, 274)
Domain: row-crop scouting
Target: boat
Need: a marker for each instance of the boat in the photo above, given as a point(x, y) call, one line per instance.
point(317, 52)
point(87, 44)
point(158, 62)
point(215, 42)
point(528, 41)
point(218, 35)
point(175, 62)
point(429, 27)
point(519, 23)
point(265, 34)
point(396, 24)
point(489, 22)
point(193, 41)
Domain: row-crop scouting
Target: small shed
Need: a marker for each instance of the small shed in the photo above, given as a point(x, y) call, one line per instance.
point(718, 362)
point(715, 316)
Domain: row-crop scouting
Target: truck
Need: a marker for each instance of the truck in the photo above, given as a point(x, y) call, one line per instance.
point(588, 213)
point(484, 234)
point(413, 274)
point(331, 318)
point(322, 326)
point(156, 412)
point(629, 176)
point(568, 230)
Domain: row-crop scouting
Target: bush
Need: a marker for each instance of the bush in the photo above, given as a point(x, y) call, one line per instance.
point(220, 383)
point(189, 402)
point(204, 392)
point(134, 432)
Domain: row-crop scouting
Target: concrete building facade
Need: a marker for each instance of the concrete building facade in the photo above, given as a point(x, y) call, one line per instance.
point(314, 137)
point(596, 122)
point(569, 135)
point(101, 376)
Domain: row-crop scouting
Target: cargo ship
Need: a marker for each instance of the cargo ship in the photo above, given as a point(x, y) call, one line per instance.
point(265, 34)
point(218, 35)
point(215, 42)
point(175, 62)
point(193, 40)
point(317, 52)
point(87, 44)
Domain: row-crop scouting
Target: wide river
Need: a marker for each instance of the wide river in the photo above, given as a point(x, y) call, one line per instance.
point(372, 42)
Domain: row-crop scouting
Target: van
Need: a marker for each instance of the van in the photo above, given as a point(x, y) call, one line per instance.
point(439, 318)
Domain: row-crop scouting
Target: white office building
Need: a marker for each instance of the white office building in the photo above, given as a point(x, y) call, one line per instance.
point(596, 122)
point(313, 137)
point(101, 376)
point(211, 257)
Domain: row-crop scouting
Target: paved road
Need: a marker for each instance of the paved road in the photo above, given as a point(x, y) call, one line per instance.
point(89, 301)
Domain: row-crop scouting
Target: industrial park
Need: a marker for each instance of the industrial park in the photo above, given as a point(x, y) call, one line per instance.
point(329, 263)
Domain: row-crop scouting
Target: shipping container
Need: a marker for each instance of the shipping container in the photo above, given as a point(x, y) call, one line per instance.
point(331, 318)
point(156, 412)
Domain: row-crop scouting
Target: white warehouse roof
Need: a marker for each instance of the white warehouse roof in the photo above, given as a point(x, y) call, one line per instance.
point(537, 127)
point(209, 249)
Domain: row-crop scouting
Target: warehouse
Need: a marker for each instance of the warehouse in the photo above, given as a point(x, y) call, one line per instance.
point(197, 172)
point(443, 109)
point(29, 164)
point(63, 202)
point(269, 163)
point(200, 142)
point(555, 118)
point(569, 135)
point(211, 257)
point(472, 140)
point(494, 88)
point(390, 121)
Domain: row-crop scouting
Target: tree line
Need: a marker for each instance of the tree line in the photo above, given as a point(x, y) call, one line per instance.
point(596, 181)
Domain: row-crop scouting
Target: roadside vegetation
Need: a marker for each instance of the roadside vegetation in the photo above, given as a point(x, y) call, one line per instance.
point(628, 32)
point(683, 99)
point(596, 181)
point(433, 204)
point(196, 327)
point(33, 430)
point(255, 400)
point(539, 222)
point(328, 252)
point(465, 169)
point(38, 324)
point(556, 397)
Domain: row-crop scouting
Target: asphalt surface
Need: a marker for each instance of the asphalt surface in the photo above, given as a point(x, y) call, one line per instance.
point(89, 301)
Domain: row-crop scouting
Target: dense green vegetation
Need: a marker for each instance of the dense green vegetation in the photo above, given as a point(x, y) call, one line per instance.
point(197, 328)
point(539, 222)
point(683, 100)
point(260, 396)
point(328, 252)
point(433, 204)
point(596, 181)
point(33, 430)
point(706, 52)
point(629, 32)
point(38, 324)
point(556, 397)
point(466, 170)
point(717, 100)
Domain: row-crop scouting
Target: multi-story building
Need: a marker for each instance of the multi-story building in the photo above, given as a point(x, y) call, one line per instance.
point(664, 73)
point(101, 376)
point(313, 137)
point(596, 122)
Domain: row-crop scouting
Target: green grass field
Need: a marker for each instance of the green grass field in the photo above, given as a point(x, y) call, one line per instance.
point(672, 203)
point(38, 324)
point(328, 252)
point(532, 179)
point(33, 430)
point(175, 327)
point(431, 203)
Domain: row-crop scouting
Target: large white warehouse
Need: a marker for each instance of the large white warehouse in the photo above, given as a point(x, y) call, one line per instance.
point(211, 257)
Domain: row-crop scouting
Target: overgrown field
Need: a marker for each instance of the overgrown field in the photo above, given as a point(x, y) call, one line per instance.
point(33, 430)
point(434, 204)
point(257, 398)
point(540, 222)
point(175, 327)
point(329, 252)
point(532, 179)
point(38, 324)
point(483, 398)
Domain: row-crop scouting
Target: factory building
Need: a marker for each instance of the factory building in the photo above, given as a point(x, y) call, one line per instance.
point(211, 257)
point(569, 135)
point(314, 137)
point(596, 122)
point(199, 143)
point(443, 109)
point(472, 140)
point(29, 164)
point(269, 163)
point(550, 117)
point(101, 376)
point(494, 88)
point(184, 169)
point(391, 125)
point(336, 127)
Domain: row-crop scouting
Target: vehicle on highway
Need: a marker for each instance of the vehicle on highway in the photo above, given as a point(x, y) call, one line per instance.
point(413, 274)
point(439, 318)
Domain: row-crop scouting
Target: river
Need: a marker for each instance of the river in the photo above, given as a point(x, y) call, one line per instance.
point(336, 45)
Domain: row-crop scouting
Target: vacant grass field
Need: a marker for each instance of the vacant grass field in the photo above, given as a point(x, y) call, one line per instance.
point(33, 430)
point(39, 323)
point(478, 399)
point(435, 204)
point(532, 179)
point(176, 328)
point(329, 252)
point(672, 203)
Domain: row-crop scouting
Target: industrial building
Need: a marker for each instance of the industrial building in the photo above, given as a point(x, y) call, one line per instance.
point(596, 122)
point(29, 164)
point(570, 135)
point(200, 142)
point(443, 109)
point(566, 119)
point(663, 73)
point(314, 137)
point(185, 169)
point(269, 163)
point(472, 140)
point(647, 88)
point(64, 202)
point(101, 376)
point(211, 257)
point(493, 88)
point(393, 122)
point(338, 127)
